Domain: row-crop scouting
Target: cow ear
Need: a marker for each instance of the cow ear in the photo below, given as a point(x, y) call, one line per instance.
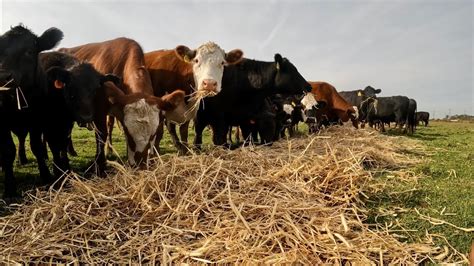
point(184, 53)
point(278, 61)
point(49, 39)
point(171, 101)
point(58, 76)
point(255, 80)
point(377, 91)
point(234, 56)
point(113, 94)
point(110, 77)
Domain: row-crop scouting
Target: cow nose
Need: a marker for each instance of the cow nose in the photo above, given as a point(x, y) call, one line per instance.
point(209, 84)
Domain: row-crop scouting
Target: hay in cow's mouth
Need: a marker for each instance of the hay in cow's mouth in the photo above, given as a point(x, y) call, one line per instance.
point(301, 200)
point(196, 97)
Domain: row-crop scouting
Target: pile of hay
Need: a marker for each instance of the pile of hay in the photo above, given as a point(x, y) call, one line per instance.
point(298, 201)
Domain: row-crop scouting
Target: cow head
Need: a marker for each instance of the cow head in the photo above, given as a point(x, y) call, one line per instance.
point(288, 80)
point(19, 49)
point(368, 92)
point(139, 115)
point(78, 85)
point(309, 108)
point(208, 63)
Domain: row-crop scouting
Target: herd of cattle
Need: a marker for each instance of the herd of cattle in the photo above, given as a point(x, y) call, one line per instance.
point(45, 93)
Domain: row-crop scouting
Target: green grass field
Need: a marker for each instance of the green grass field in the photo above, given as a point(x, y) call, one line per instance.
point(446, 192)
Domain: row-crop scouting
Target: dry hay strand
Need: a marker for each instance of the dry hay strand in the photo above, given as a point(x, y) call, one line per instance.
point(298, 201)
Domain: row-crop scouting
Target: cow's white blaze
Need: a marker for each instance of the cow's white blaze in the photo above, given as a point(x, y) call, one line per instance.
point(288, 108)
point(356, 114)
point(141, 121)
point(309, 101)
point(208, 64)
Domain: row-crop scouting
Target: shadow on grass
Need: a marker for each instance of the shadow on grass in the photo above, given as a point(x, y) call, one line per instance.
point(420, 135)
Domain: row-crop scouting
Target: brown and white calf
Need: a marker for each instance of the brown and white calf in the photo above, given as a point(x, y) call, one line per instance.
point(133, 103)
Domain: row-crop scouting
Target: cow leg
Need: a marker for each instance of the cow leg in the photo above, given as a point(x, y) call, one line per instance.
point(110, 128)
point(21, 134)
point(70, 147)
point(248, 134)
point(219, 136)
point(159, 135)
point(182, 149)
point(100, 138)
point(183, 132)
point(230, 135)
point(7, 157)
point(237, 135)
point(58, 146)
point(199, 126)
point(37, 143)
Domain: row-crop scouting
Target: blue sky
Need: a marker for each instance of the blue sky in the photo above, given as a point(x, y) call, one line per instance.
point(422, 48)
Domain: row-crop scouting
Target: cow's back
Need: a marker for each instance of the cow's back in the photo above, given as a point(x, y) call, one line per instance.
point(388, 106)
point(123, 57)
point(335, 104)
point(351, 97)
point(168, 73)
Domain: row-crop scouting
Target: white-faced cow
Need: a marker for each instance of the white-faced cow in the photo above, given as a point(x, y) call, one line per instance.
point(194, 71)
point(133, 104)
point(242, 100)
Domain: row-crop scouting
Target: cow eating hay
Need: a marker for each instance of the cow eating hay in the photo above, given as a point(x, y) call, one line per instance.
point(299, 201)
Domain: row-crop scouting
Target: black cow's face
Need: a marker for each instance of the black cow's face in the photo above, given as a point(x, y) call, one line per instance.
point(19, 49)
point(288, 80)
point(78, 86)
point(370, 92)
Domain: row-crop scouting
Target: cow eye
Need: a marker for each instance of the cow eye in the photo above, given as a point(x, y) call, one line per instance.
point(223, 63)
point(196, 60)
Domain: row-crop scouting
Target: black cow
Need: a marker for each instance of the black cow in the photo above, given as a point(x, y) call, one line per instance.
point(242, 99)
point(422, 117)
point(411, 116)
point(20, 81)
point(357, 97)
point(71, 88)
point(394, 108)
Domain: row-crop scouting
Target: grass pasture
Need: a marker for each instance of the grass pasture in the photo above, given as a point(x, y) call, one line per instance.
point(357, 195)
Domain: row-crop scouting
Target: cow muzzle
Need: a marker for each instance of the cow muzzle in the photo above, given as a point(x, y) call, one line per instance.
point(209, 85)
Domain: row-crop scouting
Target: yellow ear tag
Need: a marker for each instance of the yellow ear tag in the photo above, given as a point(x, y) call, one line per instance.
point(359, 94)
point(293, 103)
point(186, 59)
point(278, 66)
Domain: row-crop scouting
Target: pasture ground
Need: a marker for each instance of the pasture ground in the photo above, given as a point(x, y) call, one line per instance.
point(430, 205)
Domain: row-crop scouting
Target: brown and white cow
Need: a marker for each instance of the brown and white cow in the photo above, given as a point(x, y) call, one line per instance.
point(335, 109)
point(133, 103)
point(192, 71)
